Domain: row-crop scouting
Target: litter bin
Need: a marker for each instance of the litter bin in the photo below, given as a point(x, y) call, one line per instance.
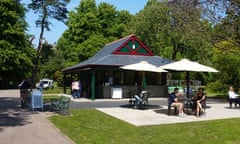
point(24, 87)
point(36, 99)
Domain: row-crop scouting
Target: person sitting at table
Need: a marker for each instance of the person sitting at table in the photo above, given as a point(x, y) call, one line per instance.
point(199, 99)
point(233, 97)
point(174, 100)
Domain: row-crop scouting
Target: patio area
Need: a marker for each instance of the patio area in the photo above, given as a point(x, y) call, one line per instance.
point(157, 116)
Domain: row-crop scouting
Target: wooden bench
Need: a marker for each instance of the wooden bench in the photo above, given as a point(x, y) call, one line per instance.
point(61, 105)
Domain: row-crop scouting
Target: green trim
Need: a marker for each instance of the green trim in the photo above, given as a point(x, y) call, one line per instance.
point(124, 49)
point(142, 51)
point(93, 85)
point(136, 44)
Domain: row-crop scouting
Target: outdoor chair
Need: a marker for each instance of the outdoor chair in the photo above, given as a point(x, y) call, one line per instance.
point(170, 107)
point(188, 105)
point(132, 99)
point(203, 104)
point(145, 95)
point(141, 99)
point(235, 101)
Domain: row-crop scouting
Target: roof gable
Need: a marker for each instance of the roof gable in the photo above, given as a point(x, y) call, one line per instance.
point(133, 46)
point(120, 52)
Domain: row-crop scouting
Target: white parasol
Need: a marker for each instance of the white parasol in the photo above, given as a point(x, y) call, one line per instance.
point(187, 66)
point(143, 66)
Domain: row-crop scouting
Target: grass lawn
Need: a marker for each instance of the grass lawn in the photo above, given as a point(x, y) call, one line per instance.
point(48, 98)
point(55, 90)
point(89, 126)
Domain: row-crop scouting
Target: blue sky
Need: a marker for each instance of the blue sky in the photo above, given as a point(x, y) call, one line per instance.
point(57, 28)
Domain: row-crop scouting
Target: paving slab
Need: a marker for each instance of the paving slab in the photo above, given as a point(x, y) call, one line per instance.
point(24, 126)
point(159, 116)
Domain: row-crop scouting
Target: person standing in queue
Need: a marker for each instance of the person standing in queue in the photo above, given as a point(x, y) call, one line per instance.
point(75, 89)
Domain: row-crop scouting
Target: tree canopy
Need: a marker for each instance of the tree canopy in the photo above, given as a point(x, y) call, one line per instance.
point(202, 30)
point(15, 51)
point(90, 27)
point(46, 10)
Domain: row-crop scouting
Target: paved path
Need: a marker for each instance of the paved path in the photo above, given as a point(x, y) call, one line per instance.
point(22, 126)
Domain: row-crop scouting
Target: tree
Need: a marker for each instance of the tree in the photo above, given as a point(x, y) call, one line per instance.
point(46, 9)
point(15, 51)
point(90, 27)
point(173, 29)
point(52, 68)
point(228, 63)
point(228, 29)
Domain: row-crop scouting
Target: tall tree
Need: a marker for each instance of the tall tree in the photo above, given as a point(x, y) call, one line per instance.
point(90, 27)
point(229, 27)
point(52, 68)
point(173, 29)
point(15, 51)
point(46, 10)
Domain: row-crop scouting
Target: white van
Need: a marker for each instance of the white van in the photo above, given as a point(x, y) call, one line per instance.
point(45, 83)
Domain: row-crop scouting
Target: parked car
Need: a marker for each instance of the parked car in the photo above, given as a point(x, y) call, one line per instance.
point(45, 83)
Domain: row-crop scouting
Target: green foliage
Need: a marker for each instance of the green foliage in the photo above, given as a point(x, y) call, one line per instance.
point(90, 27)
point(90, 46)
point(46, 10)
point(217, 86)
point(52, 66)
point(228, 28)
point(91, 126)
point(228, 64)
point(173, 30)
point(15, 52)
point(49, 9)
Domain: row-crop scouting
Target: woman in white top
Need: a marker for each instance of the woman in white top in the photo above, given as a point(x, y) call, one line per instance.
point(233, 97)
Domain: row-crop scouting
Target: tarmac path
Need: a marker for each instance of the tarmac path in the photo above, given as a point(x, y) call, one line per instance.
point(23, 126)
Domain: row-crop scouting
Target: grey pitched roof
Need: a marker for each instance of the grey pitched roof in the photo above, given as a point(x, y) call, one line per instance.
point(105, 58)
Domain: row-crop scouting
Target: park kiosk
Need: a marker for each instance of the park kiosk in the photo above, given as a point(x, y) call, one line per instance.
point(102, 77)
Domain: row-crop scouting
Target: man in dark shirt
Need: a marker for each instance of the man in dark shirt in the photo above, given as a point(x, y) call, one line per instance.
point(175, 102)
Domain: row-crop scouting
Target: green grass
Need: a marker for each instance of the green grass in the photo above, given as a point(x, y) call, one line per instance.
point(90, 126)
point(48, 98)
point(55, 90)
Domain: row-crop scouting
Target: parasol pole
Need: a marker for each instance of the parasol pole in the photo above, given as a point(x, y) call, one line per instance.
point(144, 83)
point(188, 82)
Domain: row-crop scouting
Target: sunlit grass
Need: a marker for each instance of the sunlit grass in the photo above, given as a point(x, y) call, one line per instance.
point(55, 90)
point(48, 98)
point(89, 126)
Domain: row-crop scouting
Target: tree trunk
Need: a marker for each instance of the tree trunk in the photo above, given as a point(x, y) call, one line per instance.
point(39, 49)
